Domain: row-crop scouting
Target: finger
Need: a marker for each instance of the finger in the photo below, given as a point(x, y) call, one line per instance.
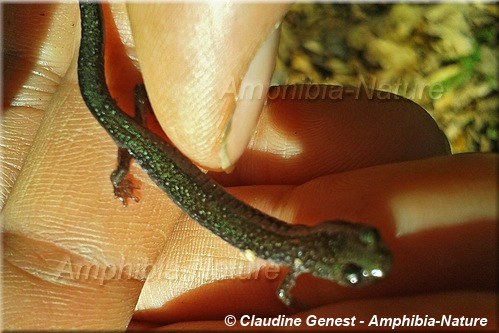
point(35, 59)
point(56, 221)
point(69, 246)
point(208, 50)
point(333, 129)
point(438, 216)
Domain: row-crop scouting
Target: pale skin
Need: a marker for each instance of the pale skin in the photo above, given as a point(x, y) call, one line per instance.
point(437, 211)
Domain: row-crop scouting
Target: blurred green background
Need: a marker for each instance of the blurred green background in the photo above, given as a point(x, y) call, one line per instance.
point(406, 49)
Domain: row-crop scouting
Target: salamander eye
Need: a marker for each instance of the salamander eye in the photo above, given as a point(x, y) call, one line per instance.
point(369, 237)
point(352, 274)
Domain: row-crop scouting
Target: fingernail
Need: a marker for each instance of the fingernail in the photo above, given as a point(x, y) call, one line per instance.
point(250, 100)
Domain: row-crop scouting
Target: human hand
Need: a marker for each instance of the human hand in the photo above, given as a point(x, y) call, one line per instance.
point(56, 213)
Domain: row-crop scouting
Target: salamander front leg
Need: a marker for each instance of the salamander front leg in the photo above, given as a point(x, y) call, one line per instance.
point(284, 292)
point(125, 185)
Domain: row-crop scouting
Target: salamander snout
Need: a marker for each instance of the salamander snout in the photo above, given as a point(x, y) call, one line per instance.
point(370, 258)
point(353, 254)
point(354, 275)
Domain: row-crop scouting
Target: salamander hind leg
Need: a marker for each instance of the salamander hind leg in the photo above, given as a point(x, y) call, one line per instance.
point(124, 184)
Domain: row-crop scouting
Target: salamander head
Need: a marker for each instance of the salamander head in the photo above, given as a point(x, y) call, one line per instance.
point(350, 253)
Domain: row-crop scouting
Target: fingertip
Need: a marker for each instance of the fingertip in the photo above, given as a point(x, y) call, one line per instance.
point(194, 93)
point(250, 101)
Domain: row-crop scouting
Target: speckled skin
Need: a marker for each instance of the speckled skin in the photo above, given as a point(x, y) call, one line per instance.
point(346, 252)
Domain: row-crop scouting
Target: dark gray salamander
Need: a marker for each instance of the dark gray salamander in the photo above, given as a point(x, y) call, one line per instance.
point(346, 252)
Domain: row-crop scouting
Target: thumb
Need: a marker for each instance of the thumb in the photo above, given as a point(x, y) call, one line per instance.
point(207, 68)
